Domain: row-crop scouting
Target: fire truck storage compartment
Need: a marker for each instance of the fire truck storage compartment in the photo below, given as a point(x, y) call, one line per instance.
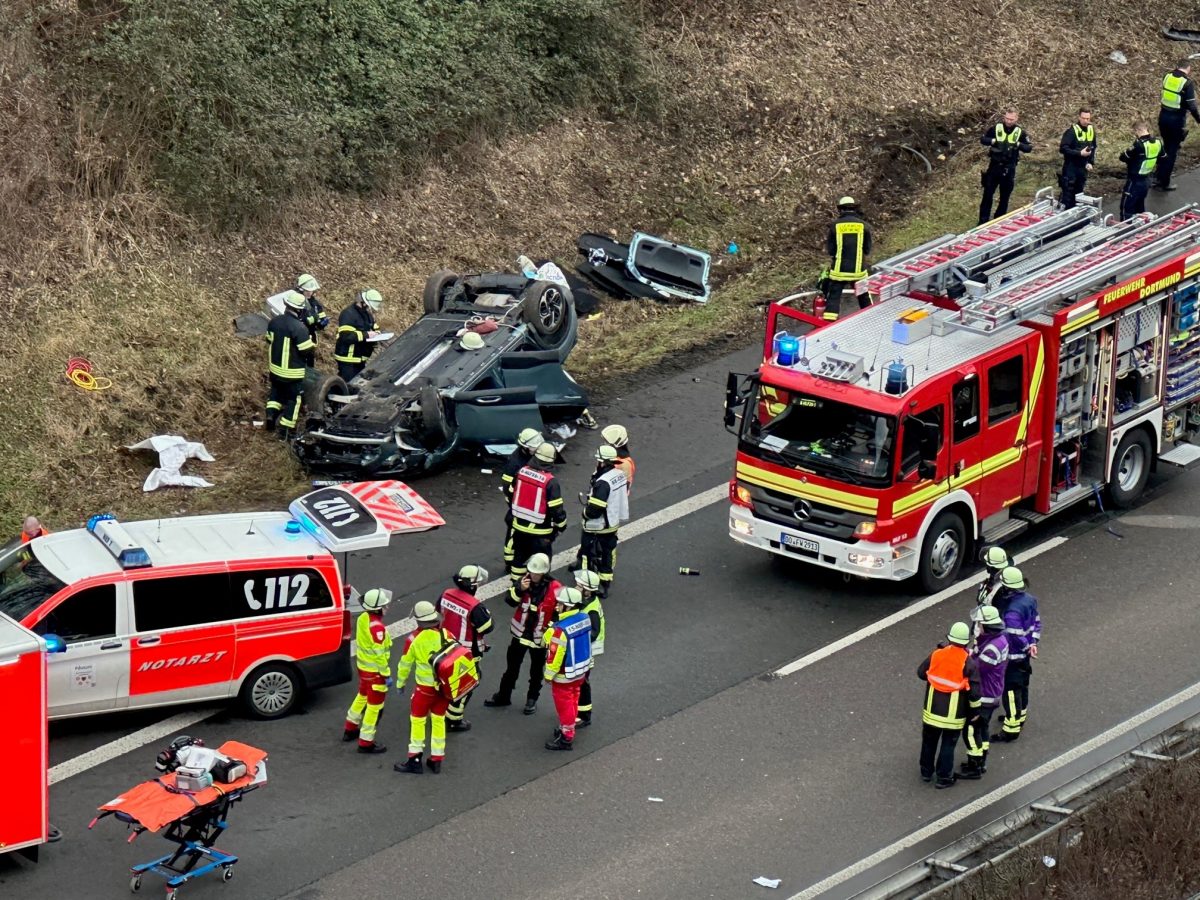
point(1137, 356)
point(1183, 355)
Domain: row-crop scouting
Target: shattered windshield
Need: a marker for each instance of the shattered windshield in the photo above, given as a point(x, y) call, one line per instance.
point(836, 439)
point(24, 582)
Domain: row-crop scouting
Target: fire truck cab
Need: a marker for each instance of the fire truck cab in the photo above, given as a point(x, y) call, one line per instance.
point(999, 376)
point(202, 608)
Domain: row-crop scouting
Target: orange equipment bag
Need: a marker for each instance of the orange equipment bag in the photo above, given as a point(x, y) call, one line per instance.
point(455, 670)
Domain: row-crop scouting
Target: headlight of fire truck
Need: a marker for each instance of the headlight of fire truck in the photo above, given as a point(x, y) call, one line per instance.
point(864, 529)
point(740, 494)
point(866, 560)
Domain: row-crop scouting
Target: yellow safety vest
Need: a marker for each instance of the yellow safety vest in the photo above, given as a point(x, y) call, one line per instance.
point(1010, 137)
point(594, 606)
point(1153, 149)
point(372, 656)
point(838, 271)
point(1172, 91)
point(420, 651)
point(1085, 135)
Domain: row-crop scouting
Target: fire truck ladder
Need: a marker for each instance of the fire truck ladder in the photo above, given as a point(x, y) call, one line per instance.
point(932, 266)
point(1129, 250)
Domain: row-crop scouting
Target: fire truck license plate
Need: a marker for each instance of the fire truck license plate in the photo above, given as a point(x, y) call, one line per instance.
point(799, 543)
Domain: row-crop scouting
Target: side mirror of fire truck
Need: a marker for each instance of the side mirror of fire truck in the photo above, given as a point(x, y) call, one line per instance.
point(736, 391)
point(54, 644)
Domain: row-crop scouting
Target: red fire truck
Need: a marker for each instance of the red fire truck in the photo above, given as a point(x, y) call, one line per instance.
point(1000, 376)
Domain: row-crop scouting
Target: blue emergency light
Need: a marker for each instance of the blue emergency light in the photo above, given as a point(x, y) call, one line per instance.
point(292, 527)
point(107, 530)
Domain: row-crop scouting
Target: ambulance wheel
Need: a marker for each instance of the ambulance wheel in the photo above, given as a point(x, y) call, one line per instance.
point(1130, 469)
point(271, 691)
point(942, 552)
point(135, 883)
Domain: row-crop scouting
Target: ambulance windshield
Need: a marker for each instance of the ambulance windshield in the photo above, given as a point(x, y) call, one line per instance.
point(832, 438)
point(25, 584)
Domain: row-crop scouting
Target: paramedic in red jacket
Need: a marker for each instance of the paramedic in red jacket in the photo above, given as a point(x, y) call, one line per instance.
point(467, 620)
point(568, 660)
point(427, 701)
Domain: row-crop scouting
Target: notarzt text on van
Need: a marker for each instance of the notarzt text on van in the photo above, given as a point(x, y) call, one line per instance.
point(172, 662)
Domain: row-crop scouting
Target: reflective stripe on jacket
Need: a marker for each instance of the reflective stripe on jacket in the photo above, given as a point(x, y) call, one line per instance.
point(848, 242)
point(353, 326)
point(1022, 623)
point(569, 653)
point(950, 690)
point(465, 618)
point(537, 504)
point(595, 613)
point(1153, 148)
point(373, 651)
point(608, 502)
point(419, 649)
point(991, 655)
point(288, 342)
point(533, 611)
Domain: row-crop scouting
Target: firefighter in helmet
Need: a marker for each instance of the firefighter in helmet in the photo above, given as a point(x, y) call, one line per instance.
point(532, 600)
point(618, 437)
point(606, 507)
point(355, 325)
point(588, 583)
point(568, 659)
point(315, 318)
point(527, 442)
point(290, 351)
point(427, 702)
point(538, 515)
point(467, 620)
point(848, 243)
point(373, 657)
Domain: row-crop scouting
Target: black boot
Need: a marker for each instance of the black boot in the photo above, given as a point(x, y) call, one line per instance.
point(496, 700)
point(584, 720)
point(458, 725)
point(971, 770)
point(412, 765)
point(944, 783)
point(558, 742)
point(372, 747)
point(270, 423)
point(435, 765)
point(983, 762)
point(1006, 737)
point(350, 734)
point(530, 707)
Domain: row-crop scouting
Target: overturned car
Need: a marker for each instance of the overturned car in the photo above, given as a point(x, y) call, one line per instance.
point(483, 362)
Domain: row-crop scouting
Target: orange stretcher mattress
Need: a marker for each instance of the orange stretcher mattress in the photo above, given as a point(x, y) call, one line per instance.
point(156, 803)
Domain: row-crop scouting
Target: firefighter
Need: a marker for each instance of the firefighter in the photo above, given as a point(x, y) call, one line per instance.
point(951, 695)
point(848, 242)
point(568, 659)
point(1078, 149)
point(532, 600)
point(1141, 160)
point(588, 583)
point(995, 561)
point(427, 702)
point(1006, 141)
point(374, 660)
point(619, 438)
point(32, 528)
point(467, 620)
point(290, 350)
point(315, 318)
point(990, 654)
point(606, 507)
point(1177, 102)
point(527, 442)
point(355, 325)
point(538, 515)
point(1023, 625)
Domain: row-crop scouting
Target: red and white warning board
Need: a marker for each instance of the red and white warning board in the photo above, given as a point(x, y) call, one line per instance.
point(363, 514)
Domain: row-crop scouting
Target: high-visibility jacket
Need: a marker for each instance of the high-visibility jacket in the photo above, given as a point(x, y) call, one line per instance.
point(1141, 157)
point(951, 679)
point(626, 464)
point(374, 645)
point(1173, 86)
point(290, 347)
point(1005, 146)
point(26, 537)
point(466, 619)
point(353, 326)
point(533, 610)
point(608, 502)
point(569, 648)
point(595, 614)
point(419, 649)
point(848, 242)
point(1074, 141)
point(537, 503)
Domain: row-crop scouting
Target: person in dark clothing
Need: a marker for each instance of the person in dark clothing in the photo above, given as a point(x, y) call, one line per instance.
point(1141, 160)
point(527, 442)
point(848, 243)
point(952, 699)
point(315, 318)
point(1078, 149)
point(290, 351)
point(355, 325)
point(1006, 141)
point(532, 599)
point(1178, 101)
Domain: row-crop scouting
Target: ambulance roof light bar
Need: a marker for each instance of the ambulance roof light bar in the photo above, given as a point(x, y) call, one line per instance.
point(128, 554)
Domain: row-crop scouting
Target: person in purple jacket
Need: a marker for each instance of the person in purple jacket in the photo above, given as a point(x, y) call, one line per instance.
point(1023, 625)
point(991, 658)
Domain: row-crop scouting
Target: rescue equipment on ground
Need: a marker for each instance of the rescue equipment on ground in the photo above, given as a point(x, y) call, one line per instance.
point(79, 373)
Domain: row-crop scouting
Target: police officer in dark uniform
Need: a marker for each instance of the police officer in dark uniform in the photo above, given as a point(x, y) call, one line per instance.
point(1141, 160)
point(291, 349)
point(315, 317)
point(1177, 102)
point(355, 325)
point(1078, 149)
point(848, 242)
point(1006, 141)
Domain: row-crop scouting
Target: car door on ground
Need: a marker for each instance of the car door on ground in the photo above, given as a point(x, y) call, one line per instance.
point(92, 674)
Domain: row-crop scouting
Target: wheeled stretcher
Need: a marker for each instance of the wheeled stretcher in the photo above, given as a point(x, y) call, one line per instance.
point(193, 820)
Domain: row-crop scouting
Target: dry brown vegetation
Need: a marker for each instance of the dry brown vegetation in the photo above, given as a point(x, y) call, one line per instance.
point(768, 112)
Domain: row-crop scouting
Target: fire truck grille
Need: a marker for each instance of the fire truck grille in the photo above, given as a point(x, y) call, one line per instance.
point(814, 518)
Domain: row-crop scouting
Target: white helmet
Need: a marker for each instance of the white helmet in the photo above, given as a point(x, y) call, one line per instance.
point(425, 612)
point(530, 439)
point(376, 598)
point(615, 435)
point(294, 299)
point(569, 597)
point(606, 453)
point(471, 341)
point(587, 580)
point(472, 575)
point(307, 283)
point(545, 452)
point(538, 564)
point(372, 298)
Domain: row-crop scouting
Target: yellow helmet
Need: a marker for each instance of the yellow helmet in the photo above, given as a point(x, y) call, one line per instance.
point(545, 453)
point(471, 341)
point(307, 283)
point(376, 598)
point(530, 439)
point(959, 634)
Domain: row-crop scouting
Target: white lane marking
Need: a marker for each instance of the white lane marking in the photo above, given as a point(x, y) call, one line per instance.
point(1012, 787)
point(908, 611)
point(665, 516)
point(132, 741)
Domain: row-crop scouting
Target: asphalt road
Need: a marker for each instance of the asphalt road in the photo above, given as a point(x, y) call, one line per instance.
point(791, 778)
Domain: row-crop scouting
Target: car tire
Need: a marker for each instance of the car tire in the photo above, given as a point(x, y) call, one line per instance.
point(942, 552)
point(317, 391)
point(435, 427)
point(271, 691)
point(435, 289)
point(1130, 469)
point(547, 308)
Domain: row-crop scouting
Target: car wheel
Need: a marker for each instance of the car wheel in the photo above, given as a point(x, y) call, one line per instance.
point(942, 553)
point(318, 391)
point(1130, 469)
point(435, 428)
point(546, 308)
point(271, 691)
point(435, 289)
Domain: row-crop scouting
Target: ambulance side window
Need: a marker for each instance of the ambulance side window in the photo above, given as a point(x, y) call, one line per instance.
point(89, 615)
point(161, 603)
point(264, 592)
point(966, 410)
point(1004, 389)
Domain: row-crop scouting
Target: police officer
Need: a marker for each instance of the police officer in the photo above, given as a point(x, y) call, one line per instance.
point(538, 515)
point(1178, 101)
point(588, 583)
point(848, 243)
point(467, 620)
point(355, 325)
point(1023, 625)
point(527, 442)
point(606, 507)
point(1141, 159)
point(532, 600)
point(1078, 149)
point(373, 656)
point(427, 702)
point(1006, 141)
point(315, 318)
point(291, 349)
point(618, 436)
point(990, 653)
point(568, 660)
point(951, 695)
